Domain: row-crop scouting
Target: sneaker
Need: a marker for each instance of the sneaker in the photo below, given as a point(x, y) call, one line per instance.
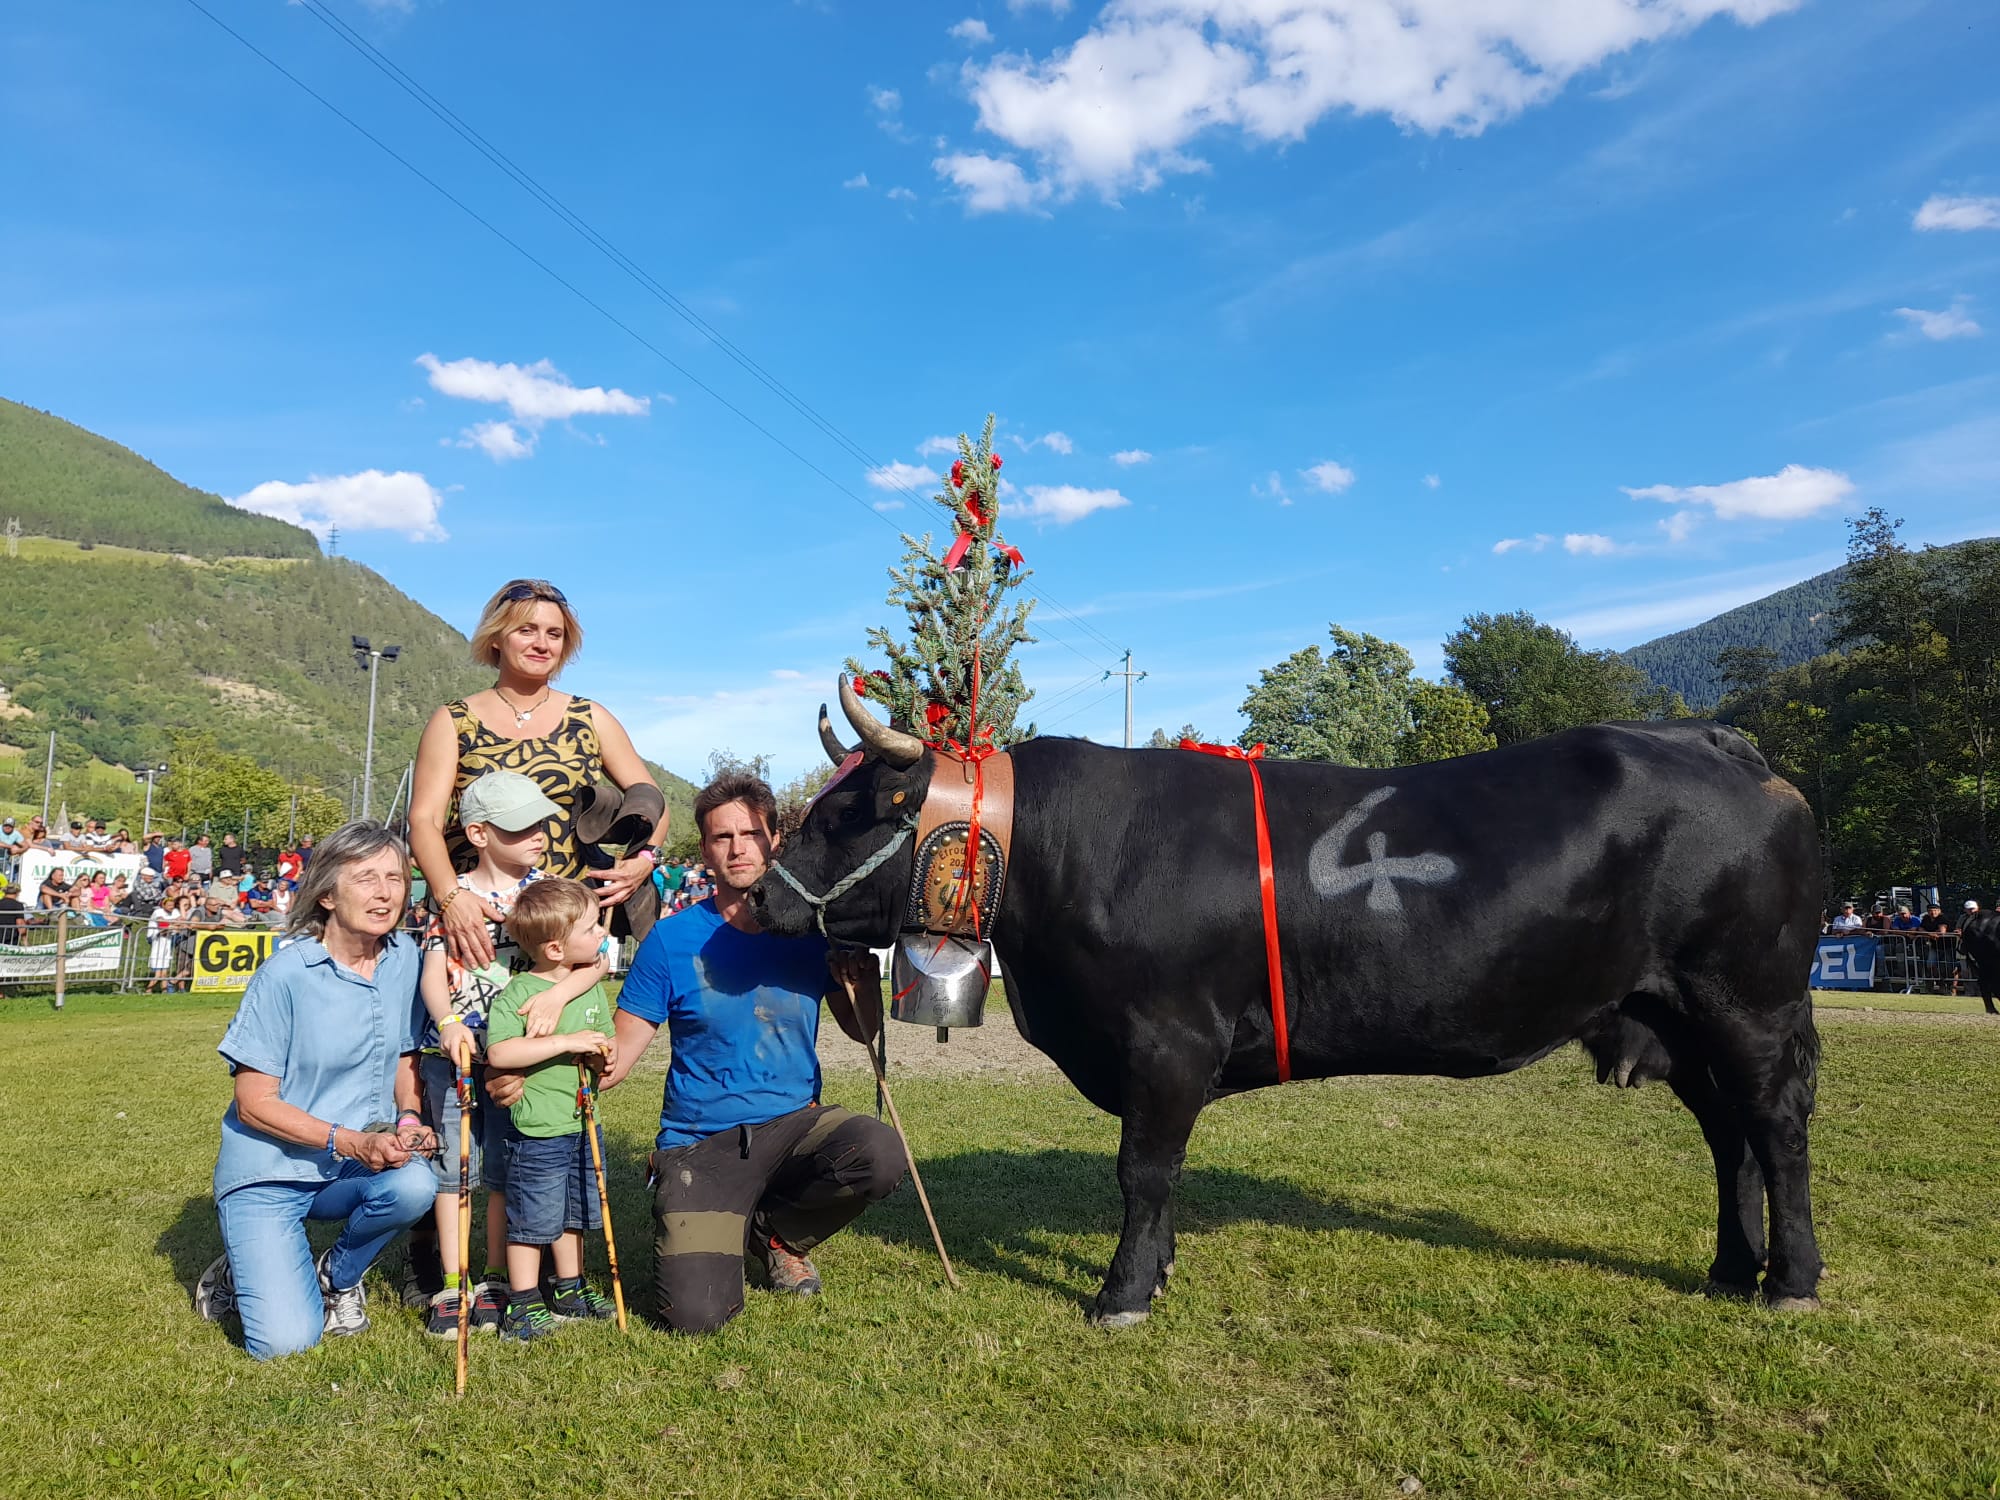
point(215, 1292)
point(442, 1323)
point(785, 1270)
point(581, 1302)
point(346, 1308)
point(527, 1321)
point(489, 1301)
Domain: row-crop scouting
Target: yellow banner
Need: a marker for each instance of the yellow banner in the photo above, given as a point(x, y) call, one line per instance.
point(226, 960)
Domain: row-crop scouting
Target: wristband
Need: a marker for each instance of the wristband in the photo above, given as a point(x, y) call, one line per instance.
point(652, 853)
point(330, 1151)
point(444, 901)
point(408, 1114)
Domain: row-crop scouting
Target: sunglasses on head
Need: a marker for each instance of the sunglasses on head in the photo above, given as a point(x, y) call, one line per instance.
point(516, 593)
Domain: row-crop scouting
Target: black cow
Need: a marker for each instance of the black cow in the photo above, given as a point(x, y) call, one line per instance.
point(1648, 890)
point(1979, 940)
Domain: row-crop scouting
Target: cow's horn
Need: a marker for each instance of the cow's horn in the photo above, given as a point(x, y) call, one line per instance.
point(894, 745)
point(835, 751)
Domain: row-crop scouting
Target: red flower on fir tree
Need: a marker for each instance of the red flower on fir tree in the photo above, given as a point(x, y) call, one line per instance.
point(935, 714)
point(957, 472)
point(996, 460)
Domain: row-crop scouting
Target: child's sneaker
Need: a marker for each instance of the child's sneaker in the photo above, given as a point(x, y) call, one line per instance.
point(215, 1292)
point(581, 1302)
point(443, 1320)
point(346, 1308)
point(784, 1270)
point(489, 1302)
point(527, 1321)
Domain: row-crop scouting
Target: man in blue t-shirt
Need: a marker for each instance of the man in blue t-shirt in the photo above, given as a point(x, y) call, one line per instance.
point(748, 1160)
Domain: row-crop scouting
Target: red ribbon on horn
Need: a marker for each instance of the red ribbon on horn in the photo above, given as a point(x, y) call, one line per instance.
point(1267, 891)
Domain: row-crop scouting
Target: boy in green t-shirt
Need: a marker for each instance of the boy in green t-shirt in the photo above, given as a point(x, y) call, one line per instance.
point(551, 1186)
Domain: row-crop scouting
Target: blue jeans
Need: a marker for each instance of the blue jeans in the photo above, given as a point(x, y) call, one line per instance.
point(551, 1186)
point(264, 1232)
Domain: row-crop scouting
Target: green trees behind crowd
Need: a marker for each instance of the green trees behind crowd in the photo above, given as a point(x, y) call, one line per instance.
point(1507, 678)
point(1894, 735)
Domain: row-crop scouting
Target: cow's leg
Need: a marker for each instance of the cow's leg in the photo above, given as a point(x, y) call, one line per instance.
point(1739, 1181)
point(1159, 1116)
point(1771, 1066)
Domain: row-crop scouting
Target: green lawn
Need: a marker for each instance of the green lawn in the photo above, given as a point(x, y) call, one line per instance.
point(1484, 1286)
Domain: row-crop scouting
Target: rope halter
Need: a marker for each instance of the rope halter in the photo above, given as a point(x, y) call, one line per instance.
point(848, 882)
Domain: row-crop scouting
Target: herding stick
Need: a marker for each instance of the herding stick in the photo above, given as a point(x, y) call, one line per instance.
point(464, 1220)
point(586, 1086)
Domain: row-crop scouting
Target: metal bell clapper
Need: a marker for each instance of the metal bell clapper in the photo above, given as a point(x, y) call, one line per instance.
point(940, 981)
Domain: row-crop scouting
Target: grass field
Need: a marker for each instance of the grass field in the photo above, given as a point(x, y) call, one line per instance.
point(1485, 1287)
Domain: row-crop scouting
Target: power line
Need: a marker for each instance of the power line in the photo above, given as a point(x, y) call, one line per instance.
point(1083, 709)
point(618, 258)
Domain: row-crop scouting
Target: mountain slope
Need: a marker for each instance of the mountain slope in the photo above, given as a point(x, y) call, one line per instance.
point(58, 480)
point(1795, 622)
point(144, 606)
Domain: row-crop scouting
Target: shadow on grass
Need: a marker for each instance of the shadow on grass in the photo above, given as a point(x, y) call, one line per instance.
point(996, 1207)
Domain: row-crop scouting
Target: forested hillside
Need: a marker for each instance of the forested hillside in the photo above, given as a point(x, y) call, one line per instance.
point(135, 606)
point(58, 480)
point(1796, 622)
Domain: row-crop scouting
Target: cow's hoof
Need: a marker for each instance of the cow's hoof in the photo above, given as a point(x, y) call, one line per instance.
point(1792, 1304)
point(1729, 1291)
point(1120, 1319)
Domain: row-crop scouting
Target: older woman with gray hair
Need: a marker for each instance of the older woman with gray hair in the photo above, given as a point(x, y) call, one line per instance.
point(321, 1052)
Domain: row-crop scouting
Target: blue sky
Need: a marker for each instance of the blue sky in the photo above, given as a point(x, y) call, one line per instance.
point(1292, 313)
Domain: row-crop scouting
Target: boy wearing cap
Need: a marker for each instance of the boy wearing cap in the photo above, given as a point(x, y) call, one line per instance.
point(504, 814)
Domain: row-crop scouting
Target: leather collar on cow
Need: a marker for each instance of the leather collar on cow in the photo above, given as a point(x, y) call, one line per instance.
point(947, 895)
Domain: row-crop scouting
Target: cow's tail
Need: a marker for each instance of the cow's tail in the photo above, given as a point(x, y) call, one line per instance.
point(1804, 1046)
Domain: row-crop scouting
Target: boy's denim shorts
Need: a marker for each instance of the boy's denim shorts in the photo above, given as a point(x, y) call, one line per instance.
point(551, 1186)
point(490, 1122)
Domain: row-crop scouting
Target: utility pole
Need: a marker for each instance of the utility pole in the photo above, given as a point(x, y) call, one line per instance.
point(370, 658)
point(1130, 677)
point(150, 775)
point(49, 778)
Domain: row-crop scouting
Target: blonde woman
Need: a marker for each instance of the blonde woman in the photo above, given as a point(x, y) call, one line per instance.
point(527, 634)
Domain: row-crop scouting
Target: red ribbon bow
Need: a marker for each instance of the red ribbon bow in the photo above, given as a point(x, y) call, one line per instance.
point(1267, 891)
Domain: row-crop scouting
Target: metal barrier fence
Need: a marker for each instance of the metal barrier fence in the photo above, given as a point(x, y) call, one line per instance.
point(44, 952)
point(1923, 963)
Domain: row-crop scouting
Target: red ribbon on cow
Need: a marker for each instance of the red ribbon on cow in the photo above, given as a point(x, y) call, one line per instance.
point(1267, 891)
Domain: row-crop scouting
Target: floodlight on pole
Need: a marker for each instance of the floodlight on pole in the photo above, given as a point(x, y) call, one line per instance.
point(149, 776)
point(370, 658)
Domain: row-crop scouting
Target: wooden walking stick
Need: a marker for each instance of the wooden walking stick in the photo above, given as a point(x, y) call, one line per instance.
point(464, 1220)
point(587, 1091)
point(896, 1119)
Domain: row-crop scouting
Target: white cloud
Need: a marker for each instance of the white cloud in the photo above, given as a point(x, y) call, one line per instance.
point(902, 476)
point(1064, 503)
point(858, 180)
point(1588, 544)
point(1431, 481)
point(930, 447)
point(1126, 457)
point(885, 101)
point(1951, 323)
point(1273, 488)
point(1533, 543)
point(1942, 212)
point(499, 441)
point(1678, 526)
point(1505, 545)
point(1056, 442)
point(885, 506)
point(1060, 7)
point(991, 184)
point(901, 195)
point(1329, 477)
point(533, 393)
point(972, 31)
point(1794, 491)
point(1119, 108)
point(368, 501)
point(786, 674)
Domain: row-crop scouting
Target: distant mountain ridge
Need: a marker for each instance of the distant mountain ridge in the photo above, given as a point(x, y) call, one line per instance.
point(1796, 622)
point(133, 605)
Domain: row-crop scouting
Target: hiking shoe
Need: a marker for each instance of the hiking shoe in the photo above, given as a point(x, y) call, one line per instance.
point(215, 1292)
point(527, 1321)
point(785, 1270)
point(580, 1303)
point(346, 1307)
point(489, 1301)
point(443, 1320)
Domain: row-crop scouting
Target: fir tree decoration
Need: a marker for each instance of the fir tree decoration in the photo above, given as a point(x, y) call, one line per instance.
point(958, 617)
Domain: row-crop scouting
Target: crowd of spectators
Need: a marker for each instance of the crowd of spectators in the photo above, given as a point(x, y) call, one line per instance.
point(1935, 921)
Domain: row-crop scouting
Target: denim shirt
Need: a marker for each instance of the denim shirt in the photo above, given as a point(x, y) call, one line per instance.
point(332, 1040)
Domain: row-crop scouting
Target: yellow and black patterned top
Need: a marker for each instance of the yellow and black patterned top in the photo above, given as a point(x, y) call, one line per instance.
point(562, 763)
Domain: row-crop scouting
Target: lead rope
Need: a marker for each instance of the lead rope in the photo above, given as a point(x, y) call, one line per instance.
point(848, 881)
